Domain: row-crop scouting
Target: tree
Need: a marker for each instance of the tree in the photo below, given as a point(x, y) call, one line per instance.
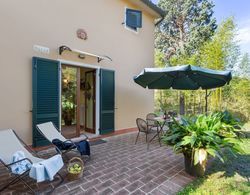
point(244, 66)
point(221, 52)
point(186, 26)
point(236, 97)
point(159, 59)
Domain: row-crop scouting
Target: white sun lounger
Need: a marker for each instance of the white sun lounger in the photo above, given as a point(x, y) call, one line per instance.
point(10, 143)
point(50, 132)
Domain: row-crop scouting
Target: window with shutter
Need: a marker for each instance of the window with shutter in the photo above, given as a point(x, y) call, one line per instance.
point(133, 19)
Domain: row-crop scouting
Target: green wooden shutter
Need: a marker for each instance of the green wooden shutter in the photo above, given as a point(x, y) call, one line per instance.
point(107, 101)
point(133, 18)
point(45, 96)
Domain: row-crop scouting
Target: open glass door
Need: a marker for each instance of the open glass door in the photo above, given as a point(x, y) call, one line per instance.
point(90, 101)
point(68, 99)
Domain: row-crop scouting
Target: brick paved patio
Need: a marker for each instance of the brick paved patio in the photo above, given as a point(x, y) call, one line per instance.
point(121, 167)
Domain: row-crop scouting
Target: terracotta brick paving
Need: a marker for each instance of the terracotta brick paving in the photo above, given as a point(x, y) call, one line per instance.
point(120, 167)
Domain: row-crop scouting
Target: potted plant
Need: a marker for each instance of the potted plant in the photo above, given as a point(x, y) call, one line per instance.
point(68, 100)
point(201, 136)
point(68, 111)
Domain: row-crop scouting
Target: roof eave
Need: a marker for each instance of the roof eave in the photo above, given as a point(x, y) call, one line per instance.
point(155, 8)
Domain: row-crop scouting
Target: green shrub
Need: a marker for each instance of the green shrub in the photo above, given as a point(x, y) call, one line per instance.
point(198, 137)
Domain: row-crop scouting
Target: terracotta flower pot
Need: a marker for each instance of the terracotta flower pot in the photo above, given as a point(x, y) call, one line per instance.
point(68, 117)
point(194, 170)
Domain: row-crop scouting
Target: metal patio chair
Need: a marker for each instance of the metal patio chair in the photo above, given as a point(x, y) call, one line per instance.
point(151, 122)
point(50, 132)
point(142, 127)
point(11, 143)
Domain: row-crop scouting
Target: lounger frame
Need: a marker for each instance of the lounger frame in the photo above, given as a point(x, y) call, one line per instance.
point(62, 152)
point(17, 178)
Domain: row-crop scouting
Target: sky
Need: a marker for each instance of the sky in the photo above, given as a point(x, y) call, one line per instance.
point(240, 9)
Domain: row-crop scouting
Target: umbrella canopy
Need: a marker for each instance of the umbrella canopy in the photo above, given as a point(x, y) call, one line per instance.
point(185, 77)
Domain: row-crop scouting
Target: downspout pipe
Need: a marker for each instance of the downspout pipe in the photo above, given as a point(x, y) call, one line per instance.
point(158, 22)
point(157, 9)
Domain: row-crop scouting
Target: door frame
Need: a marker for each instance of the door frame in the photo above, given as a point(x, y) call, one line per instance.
point(97, 88)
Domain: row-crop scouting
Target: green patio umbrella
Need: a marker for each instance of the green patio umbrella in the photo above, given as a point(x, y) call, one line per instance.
point(185, 77)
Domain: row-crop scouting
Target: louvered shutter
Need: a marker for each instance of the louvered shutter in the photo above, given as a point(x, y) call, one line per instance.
point(107, 101)
point(45, 96)
point(133, 18)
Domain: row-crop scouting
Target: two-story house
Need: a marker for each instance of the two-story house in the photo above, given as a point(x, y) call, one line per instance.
point(73, 62)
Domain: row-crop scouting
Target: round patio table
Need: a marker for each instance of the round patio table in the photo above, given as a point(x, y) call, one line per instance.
point(161, 123)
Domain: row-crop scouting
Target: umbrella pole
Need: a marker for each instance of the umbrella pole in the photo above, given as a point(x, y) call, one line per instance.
point(206, 102)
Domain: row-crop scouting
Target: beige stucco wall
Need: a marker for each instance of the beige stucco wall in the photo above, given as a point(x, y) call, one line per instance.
point(52, 23)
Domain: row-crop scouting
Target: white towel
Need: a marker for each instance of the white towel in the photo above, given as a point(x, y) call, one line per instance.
point(46, 169)
point(22, 166)
point(37, 172)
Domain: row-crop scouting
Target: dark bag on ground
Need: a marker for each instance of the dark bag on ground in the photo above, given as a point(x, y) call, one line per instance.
point(82, 146)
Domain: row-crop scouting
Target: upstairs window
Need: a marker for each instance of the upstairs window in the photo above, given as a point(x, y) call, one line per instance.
point(133, 19)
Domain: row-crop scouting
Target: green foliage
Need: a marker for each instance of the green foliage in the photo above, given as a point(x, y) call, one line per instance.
point(166, 100)
point(236, 98)
point(187, 25)
point(184, 59)
point(169, 100)
point(68, 93)
point(159, 59)
point(244, 66)
point(67, 105)
point(221, 52)
point(228, 118)
point(203, 135)
point(231, 177)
